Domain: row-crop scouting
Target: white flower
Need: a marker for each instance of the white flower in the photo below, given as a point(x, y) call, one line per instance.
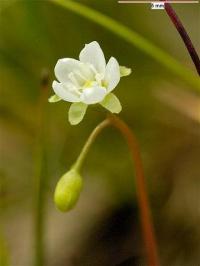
point(86, 81)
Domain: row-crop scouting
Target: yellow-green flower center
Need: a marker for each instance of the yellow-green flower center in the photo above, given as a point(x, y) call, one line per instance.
point(88, 84)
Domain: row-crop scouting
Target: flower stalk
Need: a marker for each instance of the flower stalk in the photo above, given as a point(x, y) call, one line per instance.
point(145, 214)
point(79, 162)
point(142, 197)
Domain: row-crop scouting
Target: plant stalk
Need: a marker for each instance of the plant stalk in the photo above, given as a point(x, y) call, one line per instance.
point(184, 35)
point(79, 162)
point(144, 207)
point(145, 214)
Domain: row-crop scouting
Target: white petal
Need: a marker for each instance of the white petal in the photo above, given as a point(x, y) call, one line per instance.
point(70, 66)
point(76, 113)
point(93, 95)
point(112, 103)
point(93, 54)
point(112, 74)
point(66, 91)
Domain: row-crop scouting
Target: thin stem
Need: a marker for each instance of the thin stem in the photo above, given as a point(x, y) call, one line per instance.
point(147, 225)
point(146, 220)
point(89, 142)
point(185, 37)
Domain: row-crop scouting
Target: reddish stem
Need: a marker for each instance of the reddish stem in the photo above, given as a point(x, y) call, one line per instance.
point(146, 220)
point(145, 213)
point(183, 33)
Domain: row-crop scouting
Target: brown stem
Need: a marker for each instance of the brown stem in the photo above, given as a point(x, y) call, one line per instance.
point(183, 33)
point(147, 225)
point(146, 220)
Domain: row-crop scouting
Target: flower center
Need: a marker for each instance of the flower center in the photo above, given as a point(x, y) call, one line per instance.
point(88, 84)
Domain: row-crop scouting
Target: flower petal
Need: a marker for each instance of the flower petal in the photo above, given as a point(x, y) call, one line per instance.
point(112, 103)
point(93, 54)
point(93, 95)
point(69, 66)
point(112, 74)
point(66, 91)
point(76, 113)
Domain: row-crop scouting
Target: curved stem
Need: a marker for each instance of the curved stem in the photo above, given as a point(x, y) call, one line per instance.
point(185, 37)
point(147, 225)
point(146, 220)
point(90, 140)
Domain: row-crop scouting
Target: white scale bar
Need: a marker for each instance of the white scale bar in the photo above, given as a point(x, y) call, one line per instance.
point(148, 2)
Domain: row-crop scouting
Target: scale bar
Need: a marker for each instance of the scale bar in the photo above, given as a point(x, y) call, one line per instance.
point(149, 2)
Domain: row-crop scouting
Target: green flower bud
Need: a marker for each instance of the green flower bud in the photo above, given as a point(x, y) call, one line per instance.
point(68, 190)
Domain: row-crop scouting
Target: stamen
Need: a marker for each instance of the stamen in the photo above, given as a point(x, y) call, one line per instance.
point(80, 75)
point(72, 88)
point(99, 78)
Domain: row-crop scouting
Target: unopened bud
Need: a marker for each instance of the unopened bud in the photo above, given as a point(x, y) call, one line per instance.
point(68, 190)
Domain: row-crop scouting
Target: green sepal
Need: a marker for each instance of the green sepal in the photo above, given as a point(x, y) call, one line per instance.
point(54, 98)
point(76, 113)
point(124, 71)
point(112, 103)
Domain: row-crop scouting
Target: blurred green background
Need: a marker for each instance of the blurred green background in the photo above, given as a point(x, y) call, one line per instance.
point(38, 145)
